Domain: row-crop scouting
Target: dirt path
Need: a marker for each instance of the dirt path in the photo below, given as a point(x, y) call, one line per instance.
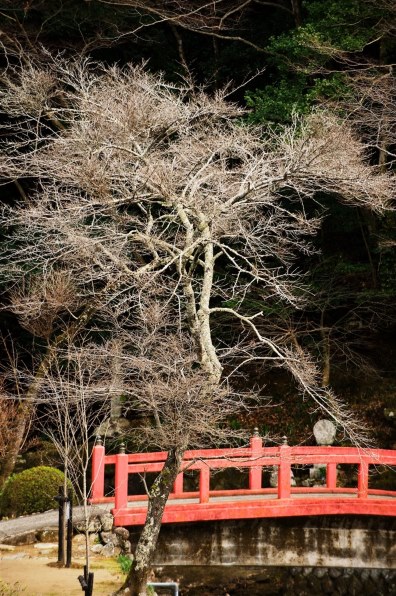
point(24, 571)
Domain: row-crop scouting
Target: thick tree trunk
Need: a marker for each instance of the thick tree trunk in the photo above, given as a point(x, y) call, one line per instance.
point(145, 549)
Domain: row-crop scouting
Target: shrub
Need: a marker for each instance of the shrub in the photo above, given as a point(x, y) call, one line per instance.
point(31, 491)
point(125, 563)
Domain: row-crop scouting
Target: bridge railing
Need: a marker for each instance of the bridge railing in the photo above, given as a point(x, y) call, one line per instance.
point(253, 458)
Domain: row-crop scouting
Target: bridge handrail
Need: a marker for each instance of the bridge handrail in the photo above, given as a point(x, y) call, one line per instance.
point(252, 458)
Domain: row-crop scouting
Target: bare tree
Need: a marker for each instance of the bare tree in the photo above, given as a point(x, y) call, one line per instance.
point(219, 19)
point(74, 398)
point(163, 210)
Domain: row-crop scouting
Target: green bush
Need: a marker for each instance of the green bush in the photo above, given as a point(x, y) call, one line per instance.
point(125, 563)
point(31, 491)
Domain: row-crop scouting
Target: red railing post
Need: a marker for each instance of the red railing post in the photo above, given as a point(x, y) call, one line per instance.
point(178, 486)
point(363, 480)
point(284, 471)
point(255, 472)
point(98, 465)
point(121, 480)
point(204, 482)
point(331, 475)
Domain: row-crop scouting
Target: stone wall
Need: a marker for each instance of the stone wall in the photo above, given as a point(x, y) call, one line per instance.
point(334, 580)
point(347, 541)
point(280, 581)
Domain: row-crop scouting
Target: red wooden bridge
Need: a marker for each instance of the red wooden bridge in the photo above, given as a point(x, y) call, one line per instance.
point(255, 501)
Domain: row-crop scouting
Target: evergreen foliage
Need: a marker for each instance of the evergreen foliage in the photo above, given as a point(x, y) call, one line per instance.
point(31, 491)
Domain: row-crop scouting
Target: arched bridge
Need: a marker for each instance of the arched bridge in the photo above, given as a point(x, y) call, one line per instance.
point(254, 501)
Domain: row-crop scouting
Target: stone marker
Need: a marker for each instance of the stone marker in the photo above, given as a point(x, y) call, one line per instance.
point(324, 432)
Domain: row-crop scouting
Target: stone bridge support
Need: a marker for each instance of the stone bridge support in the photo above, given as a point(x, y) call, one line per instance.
point(322, 541)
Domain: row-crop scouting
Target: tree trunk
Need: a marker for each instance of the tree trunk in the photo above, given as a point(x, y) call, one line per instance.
point(325, 343)
point(145, 549)
point(296, 9)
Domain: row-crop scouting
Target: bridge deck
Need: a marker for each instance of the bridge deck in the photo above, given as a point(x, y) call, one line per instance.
point(263, 505)
point(263, 497)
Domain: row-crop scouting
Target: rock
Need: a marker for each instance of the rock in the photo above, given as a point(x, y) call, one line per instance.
point(355, 586)
point(93, 525)
point(21, 539)
point(327, 586)
point(108, 537)
point(80, 548)
point(106, 521)
point(364, 575)
point(79, 539)
point(318, 472)
point(122, 533)
point(108, 550)
point(97, 548)
point(47, 535)
point(122, 539)
point(126, 547)
point(371, 588)
point(325, 432)
point(45, 546)
point(315, 585)
point(14, 557)
point(6, 547)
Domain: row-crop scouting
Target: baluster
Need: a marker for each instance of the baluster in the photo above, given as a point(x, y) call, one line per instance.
point(178, 485)
point(98, 466)
point(363, 480)
point(255, 472)
point(284, 471)
point(204, 480)
point(331, 476)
